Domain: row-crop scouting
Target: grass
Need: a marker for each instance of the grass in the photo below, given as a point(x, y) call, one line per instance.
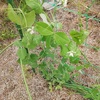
point(7, 30)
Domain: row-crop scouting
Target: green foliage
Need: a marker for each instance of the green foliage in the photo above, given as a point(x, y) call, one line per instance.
point(79, 36)
point(30, 18)
point(90, 93)
point(21, 18)
point(31, 60)
point(30, 41)
point(13, 16)
point(56, 76)
point(22, 53)
point(73, 47)
point(35, 5)
point(61, 38)
point(44, 29)
point(59, 54)
point(48, 41)
point(74, 60)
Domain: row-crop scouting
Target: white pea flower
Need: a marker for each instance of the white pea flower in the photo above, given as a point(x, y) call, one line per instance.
point(71, 53)
point(31, 30)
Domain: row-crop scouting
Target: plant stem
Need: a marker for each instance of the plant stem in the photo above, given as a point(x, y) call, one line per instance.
point(85, 57)
point(6, 48)
point(26, 85)
point(83, 90)
point(88, 60)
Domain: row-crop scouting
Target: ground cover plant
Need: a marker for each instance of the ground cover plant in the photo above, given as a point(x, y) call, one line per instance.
point(59, 54)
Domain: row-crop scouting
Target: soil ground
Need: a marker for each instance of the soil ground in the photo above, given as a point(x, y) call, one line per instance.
point(11, 80)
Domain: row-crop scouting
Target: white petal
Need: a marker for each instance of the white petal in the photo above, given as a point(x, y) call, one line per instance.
point(71, 54)
point(31, 32)
point(28, 30)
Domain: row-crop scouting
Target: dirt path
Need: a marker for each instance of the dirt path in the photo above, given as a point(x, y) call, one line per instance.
point(12, 85)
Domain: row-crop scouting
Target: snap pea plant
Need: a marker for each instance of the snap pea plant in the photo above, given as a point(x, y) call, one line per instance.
point(54, 54)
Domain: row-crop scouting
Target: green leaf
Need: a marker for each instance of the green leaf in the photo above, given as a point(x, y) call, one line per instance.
point(27, 41)
point(26, 20)
point(61, 38)
point(69, 67)
point(62, 74)
point(44, 29)
point(74, 60)
point(22, 53)
point(43, 69)
point(26, 60)
point(48, 41)
point(30, 17)
point(46, 53)
point(73, 47)
point(35, 5)
point(43, 54)
point(32, 61)
point(79, 36)
point(13, 16)
point(79, 67)
point(64, 60)
point(60, 69)
point(64, 50)
point(66, 76)
point(31, 41)
point(18, 43)
point(37, 39)
point(33, 57)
